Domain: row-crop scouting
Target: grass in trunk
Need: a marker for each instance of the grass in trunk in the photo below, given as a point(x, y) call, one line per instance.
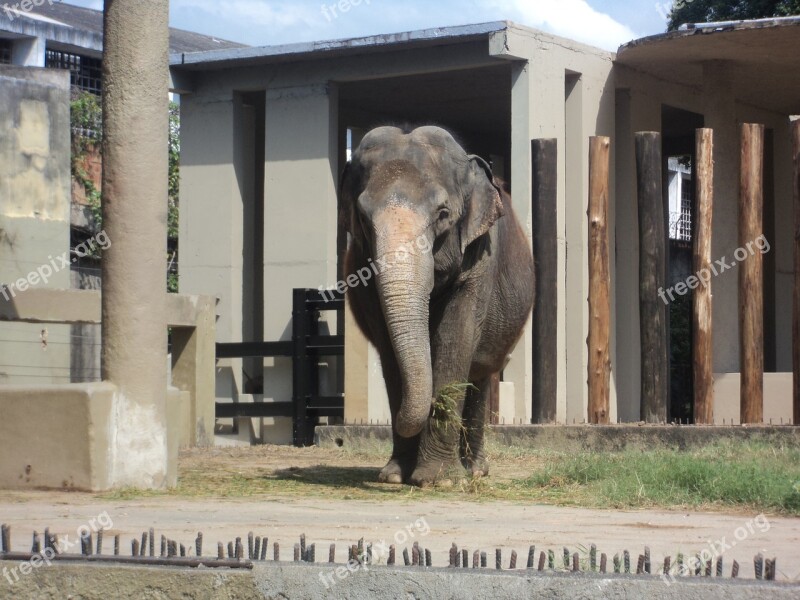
point(444, 414)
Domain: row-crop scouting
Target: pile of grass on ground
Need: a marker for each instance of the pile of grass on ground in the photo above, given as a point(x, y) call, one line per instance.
point(730, 475)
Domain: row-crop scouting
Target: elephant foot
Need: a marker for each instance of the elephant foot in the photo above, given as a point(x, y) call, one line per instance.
point(438, 474)
point(480, 469)
point(477, 467)
point(394, 471)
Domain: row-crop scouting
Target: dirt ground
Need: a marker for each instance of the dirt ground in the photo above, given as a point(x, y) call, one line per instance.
point(385, 513)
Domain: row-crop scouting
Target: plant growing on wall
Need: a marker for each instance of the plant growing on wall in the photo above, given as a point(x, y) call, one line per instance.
point(86, 119)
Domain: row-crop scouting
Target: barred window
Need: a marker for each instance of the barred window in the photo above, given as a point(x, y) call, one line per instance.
point(86, 73)
point(5, 52)
point(685, 231)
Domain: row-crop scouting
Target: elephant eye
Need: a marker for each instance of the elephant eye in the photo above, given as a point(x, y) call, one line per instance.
point(443, 214)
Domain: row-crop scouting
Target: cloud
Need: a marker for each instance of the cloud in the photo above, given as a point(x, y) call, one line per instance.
point(283, 21)
point(573, 19)
point(254, 13)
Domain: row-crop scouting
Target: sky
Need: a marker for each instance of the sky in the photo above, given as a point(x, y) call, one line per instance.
point(603, 23)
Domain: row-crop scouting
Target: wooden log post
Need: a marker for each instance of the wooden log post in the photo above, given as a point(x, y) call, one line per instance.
point(796, 311)
point(652, 278)
point(751, 294)
point(493, 406)
point(702, 348)
point(544, 154)
point(751, 288)
point(599, 283)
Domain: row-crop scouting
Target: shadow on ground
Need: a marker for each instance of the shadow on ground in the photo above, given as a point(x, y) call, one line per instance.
point(333, 476)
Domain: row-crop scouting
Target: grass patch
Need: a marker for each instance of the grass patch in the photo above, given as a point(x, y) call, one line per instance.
point(733, 475)
point(730, 475)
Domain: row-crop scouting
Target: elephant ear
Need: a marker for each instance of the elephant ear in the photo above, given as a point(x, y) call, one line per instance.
point(483, 204)
point(346, 192)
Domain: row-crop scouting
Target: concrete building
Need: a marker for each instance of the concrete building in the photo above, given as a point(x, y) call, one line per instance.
point(125, 431)
point(266, 133)
point(40, 215)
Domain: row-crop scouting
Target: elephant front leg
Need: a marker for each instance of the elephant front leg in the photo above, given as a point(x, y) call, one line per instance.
point(473, 453)
point(438, 460)
point(404, 450)
point(452, 347)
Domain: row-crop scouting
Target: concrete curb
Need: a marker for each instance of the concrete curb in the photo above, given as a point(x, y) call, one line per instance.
point(290, 580)
point(579, 438)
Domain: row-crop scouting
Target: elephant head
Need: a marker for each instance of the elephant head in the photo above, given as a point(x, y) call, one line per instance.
point(414, 202)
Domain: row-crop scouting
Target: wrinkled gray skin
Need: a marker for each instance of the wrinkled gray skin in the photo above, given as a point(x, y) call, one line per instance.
point(453, 289)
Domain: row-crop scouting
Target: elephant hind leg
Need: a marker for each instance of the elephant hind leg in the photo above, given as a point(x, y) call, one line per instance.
point(472, 450)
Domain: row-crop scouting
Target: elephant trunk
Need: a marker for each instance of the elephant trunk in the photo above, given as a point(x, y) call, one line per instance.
point(404, 285)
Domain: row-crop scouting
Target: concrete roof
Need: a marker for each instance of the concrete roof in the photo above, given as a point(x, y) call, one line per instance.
point(300, 51)
point(764, 55)
point(83, 27)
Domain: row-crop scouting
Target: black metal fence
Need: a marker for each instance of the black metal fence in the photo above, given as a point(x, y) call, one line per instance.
point(305, 348)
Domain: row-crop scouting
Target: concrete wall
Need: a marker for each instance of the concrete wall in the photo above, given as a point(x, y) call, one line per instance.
point(561, 90)
point(65, 436)
point(34, 215)
point(299, 217)
point(777, 398)
point(640, 98)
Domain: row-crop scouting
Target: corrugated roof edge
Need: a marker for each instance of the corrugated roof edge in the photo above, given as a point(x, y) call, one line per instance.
point(304, 48)
point(711, 28)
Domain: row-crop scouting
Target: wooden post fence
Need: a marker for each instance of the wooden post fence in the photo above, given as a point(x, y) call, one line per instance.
point(599, 282)
point(796, 311)
point(751, 282)
point(702, 347)
point(652, 278)
point(545, 251)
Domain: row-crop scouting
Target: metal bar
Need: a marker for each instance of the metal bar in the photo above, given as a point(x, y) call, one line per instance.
point(301, 370)
point(320, 402)
point(227, 410)
point(326, 412)
point(243, 349)
point(327, 300)
point(325, 341)
point(137, 560)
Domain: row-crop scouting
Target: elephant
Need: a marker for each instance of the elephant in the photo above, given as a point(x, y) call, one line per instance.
point(452, 291)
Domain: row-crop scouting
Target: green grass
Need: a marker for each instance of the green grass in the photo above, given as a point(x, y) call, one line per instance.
point(729, 476)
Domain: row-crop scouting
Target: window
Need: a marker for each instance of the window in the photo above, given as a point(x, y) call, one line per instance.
point(86, 73)
point(5, 52)
point(685, 231)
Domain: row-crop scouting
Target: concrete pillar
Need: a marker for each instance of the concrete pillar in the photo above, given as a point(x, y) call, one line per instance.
point(134, 354)
point(301, 176)
point(212, 209)
point(364, 387)
point(28, 52)
point(636, 111)
point(720, 115)
point(782, 245)
point(520, 368)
